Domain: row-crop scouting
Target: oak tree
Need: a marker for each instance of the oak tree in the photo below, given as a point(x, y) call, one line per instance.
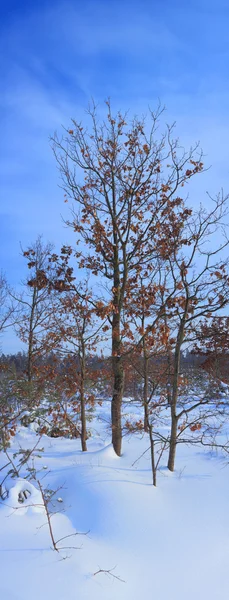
point(126, 181)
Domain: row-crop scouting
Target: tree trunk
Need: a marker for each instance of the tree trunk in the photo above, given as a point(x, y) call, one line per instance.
point(170, 366)
point(118, 386)
point(152, 450)
point(31, 340)
point(82, 402)
point(83, 425)
point(146, 392)
point(174, 397)
point(116, 407)
point(146, 429)
point(117, 362)
point(173, 443)
point(152, 446)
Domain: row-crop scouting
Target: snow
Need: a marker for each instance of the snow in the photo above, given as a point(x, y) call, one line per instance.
point(166, 542)
point(24, 497)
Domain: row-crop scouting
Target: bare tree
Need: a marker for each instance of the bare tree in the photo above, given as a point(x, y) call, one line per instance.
point(36, 306)
point(200, 279)
point(125, 204)
point(76, 332)
point(8, 308)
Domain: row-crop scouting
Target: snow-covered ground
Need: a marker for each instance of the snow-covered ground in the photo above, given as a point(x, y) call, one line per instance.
point(166, 542)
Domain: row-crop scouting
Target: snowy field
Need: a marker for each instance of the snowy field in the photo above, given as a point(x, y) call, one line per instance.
point(169, 542)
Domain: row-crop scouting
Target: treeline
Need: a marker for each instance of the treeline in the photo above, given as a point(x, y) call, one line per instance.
point(18, 361)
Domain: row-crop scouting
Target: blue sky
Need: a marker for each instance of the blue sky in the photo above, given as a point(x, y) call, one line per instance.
point(55, 56)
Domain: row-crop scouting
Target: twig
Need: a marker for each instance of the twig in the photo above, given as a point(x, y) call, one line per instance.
point(137, 459)
point(108, 572)
point(4, 466)
point(71, 535)
point(47, 515)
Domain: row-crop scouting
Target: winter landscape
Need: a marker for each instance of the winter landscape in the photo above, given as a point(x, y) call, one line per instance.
point(114, 301)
